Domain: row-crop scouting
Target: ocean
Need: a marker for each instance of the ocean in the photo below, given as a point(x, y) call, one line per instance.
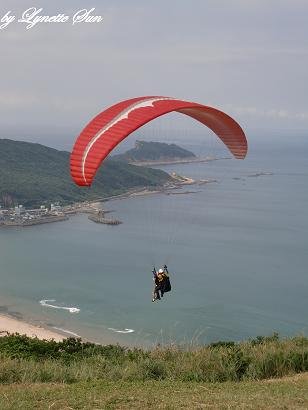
point(236, 250)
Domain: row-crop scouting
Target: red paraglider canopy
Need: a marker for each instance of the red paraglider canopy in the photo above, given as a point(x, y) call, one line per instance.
point(110, 127)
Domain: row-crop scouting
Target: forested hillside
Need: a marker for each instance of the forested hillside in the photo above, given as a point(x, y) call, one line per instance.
point(154, 151)
point(33, 174)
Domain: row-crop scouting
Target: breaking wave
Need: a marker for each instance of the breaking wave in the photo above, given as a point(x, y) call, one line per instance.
point(65, 331)
point(121, 331)
point(44, 302)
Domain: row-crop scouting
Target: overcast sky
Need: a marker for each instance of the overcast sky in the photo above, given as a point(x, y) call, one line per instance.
point(247, 57)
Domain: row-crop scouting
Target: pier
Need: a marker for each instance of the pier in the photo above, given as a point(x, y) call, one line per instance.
point(99, 217)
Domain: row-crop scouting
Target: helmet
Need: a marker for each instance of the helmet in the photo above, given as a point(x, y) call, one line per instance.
point(160, 271)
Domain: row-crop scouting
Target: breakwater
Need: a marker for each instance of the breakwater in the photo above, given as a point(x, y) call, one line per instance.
point(98, 218)
point(36, 221)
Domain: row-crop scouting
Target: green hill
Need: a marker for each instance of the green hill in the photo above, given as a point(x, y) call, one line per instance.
point(33, 174)
point(154, 151)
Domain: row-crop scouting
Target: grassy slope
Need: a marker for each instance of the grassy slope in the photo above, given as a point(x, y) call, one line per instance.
point(33, 174)
point(76, 375)
point(286, 393)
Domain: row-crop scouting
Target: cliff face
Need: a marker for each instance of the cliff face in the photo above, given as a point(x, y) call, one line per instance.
point(33, 174)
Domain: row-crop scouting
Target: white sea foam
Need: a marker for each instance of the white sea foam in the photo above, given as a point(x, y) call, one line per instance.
point(44, 302)
point(65, 331)
point(121, 331)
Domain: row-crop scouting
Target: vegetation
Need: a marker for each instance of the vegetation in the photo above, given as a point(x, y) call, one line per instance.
point(30, 360)
point(154, 151)
point(72, 374)
point(32, 174)
point(286, 393)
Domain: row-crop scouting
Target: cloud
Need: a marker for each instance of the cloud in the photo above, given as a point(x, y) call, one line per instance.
point(273, 113)
point(13, 100)
point(244, 56)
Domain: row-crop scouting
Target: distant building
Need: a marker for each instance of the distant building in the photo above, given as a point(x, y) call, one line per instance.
point(19, 209)
point(55, 207)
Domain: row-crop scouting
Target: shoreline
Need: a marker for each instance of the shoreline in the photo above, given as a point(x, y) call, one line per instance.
point(38, 221)
point(178, 181)
point(92, 207)
point(176, 161)
point(11, 325)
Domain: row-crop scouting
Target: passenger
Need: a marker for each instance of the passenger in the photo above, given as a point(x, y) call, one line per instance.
point(162, 283)
point(157, 284)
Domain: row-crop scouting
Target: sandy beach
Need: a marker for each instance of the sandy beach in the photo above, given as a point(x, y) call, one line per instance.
point(11, 325)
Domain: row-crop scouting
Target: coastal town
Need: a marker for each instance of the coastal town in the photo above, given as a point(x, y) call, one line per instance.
point(22, 216)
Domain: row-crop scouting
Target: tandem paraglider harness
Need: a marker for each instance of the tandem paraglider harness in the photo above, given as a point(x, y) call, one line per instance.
point(162, 283)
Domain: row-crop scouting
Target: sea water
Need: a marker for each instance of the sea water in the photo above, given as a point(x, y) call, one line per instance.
point(236, 250)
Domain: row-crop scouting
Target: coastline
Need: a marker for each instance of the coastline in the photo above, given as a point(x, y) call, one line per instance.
point(93, 207)
point(178, 181)
point(38, 221)
point(175, 161)
point(11, 325)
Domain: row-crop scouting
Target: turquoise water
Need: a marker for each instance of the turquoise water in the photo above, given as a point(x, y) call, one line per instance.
point(236, 249)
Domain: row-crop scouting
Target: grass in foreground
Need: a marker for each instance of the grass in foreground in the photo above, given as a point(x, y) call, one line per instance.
point(26, 360)
point(286, 393)
point(37, 374)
